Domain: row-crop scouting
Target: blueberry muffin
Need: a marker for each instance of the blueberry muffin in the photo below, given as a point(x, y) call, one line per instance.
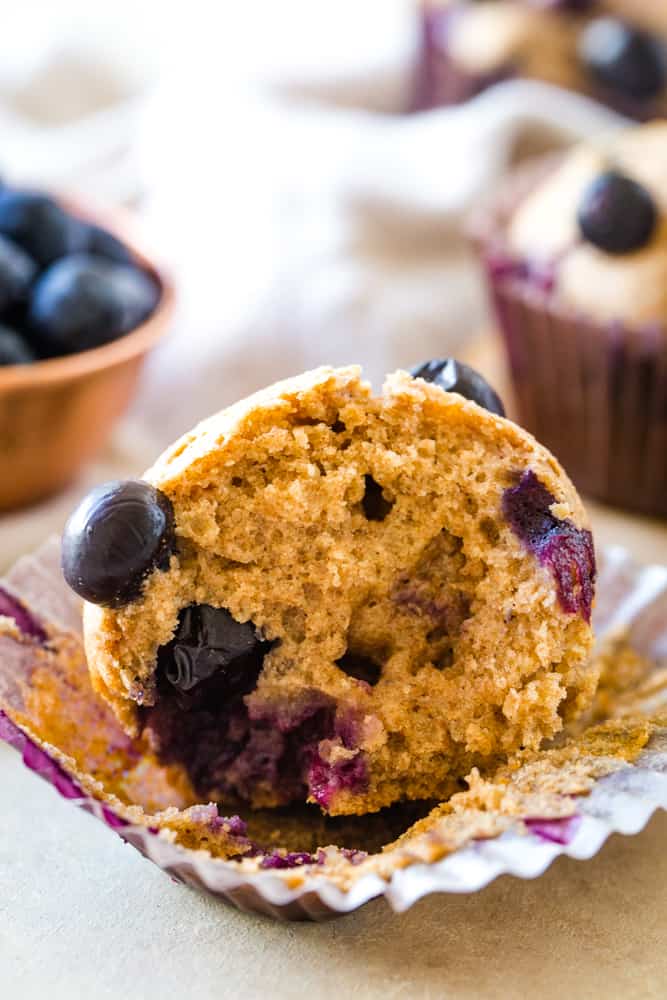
point(612, 50)
point(321, 594)
point(576, 256)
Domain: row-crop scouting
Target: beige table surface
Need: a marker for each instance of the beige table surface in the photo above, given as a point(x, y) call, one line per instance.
point(83, 915)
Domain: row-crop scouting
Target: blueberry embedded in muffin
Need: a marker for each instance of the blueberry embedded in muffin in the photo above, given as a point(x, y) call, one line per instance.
point(577, 262)
point(558, 543)
point(347, 614)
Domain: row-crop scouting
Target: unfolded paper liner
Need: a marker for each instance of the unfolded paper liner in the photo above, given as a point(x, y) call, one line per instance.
point(632, 600)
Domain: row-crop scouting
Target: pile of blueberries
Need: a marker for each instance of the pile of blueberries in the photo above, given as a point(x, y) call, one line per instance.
point(65, 285)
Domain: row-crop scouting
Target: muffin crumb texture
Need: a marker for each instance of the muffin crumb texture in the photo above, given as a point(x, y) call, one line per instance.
point(417, 575)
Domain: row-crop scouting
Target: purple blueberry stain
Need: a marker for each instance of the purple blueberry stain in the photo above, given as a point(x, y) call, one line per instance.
point(352, 855)
point(46, 767)
point(449, 613)
point(565, 550)
point(292, 859)
point(208, 642)
point(556, 831)
point(112, 819)
point(540, 275)
point(209, 817)
point(11, 607)
point(234, 826)
point(281, 860)
point(38, 760)
point(210, 718)
point(290, 715)
point(326, 780)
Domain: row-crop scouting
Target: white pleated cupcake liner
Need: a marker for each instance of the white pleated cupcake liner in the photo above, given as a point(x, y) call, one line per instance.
point(630, 598)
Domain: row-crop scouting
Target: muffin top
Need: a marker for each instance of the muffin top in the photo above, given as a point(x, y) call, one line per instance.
point(597, 227)
point(614, 49)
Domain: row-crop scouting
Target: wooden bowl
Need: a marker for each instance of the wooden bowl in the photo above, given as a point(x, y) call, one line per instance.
point(56, 414)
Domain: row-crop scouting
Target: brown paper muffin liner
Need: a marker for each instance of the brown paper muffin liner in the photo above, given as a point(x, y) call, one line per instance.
point(438, 80)
point(594, 393)
point(609, 775)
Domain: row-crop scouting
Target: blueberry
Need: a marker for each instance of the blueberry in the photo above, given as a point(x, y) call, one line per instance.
point(84, 301)
point(210, 642)
point(17, 271)
point(567, 551)
point(14, 350)
point(626, 60)
point(104, 244)
point(617, 214)
point(453, 376)
point(39, 225)
point(119, 533)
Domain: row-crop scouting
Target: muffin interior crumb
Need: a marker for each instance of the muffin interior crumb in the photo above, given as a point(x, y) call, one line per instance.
point(409, 632)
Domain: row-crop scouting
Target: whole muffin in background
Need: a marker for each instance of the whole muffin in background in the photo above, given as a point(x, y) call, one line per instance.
point(612, 50)
point(321, 594)
point(575, 250)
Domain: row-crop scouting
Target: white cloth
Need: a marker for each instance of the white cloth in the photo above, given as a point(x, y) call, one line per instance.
point(346, 245)
point(303, 221)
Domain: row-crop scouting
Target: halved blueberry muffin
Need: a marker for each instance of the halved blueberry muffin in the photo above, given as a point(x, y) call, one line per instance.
point(612, 50)
point(321, 594)
point(576, 256)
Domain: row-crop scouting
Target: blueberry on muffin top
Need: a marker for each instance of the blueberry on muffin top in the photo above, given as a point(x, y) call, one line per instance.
point(598, 222)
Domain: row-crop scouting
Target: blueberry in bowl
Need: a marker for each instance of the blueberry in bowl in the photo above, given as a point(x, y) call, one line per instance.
point(80, 307)
point(101, 242)
point(14, 349)
point(84, 300)
point(18, 270)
